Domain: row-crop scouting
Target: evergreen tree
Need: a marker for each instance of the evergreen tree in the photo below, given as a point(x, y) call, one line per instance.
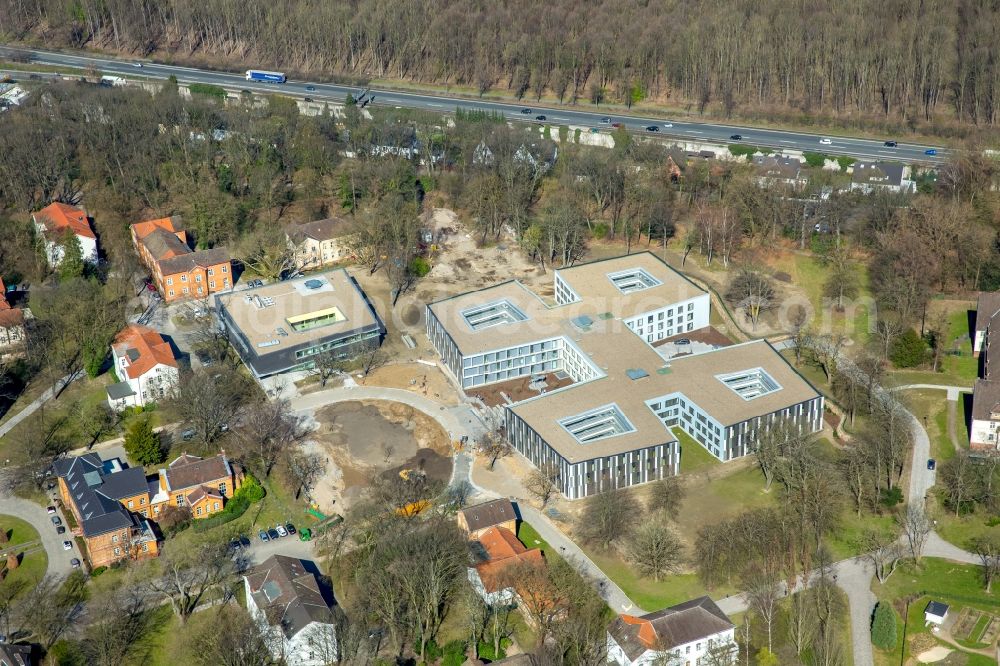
point(142, 444)
point(884, 626)
point(909, 350)
point(71, 265)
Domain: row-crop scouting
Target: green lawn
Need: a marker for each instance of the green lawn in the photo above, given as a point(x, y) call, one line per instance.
point(933, 404)
point(694, 456)
point(17, 530)
point(530, 538)
point(649, 594)
point(844, 541)
point(961, 530)
point(29, 572)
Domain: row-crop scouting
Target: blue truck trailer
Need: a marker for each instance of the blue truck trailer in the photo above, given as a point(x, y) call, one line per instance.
point(265, 77)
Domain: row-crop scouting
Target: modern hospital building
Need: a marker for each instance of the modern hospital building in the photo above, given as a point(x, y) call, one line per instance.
point(610, 427)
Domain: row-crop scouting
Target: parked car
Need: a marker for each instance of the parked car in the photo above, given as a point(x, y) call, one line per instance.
point(273, 533)
point(290, 528)
point(61, 529)
point(890, 144)
point(67, 545)
point(56, 520)
point(931, 464)
point(736, 137)
point(652, 128)
point(188, 434)
point(281, 530)
point(539, 117)
point(51, 510)
point(310, 88)
point(75, 563)
point(257, 283)
point(930, 151)
point(234, 544)
point(263, 536)
point(244, 541)
point(594, 130)
point(825, 142)
point(526, 111)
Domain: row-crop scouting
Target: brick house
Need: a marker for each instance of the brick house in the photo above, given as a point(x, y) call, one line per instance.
point(115, 506)
point(109, 503)
point(475, 520)
point(177, 271)
point(56, 220)
point(12, 332)
point(145, 363)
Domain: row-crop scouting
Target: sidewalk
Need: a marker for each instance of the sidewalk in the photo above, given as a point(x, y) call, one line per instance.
point(33, 406)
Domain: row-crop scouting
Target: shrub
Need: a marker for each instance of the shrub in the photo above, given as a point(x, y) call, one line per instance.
point(486, 650)
point(884, 626)
point(600, 231)
point(909, 350)
point(251, 490)
point(739, 150)
point(419, 267)
point(563, 133)
point(845, 162)
point(815, 160)
point(207, 89)
point(892, 497)
point(98, 571)
point(454, 653)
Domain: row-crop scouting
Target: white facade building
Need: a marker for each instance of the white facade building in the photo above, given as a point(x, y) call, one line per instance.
point(56, 220)
point(677, 636)
point(145, 364)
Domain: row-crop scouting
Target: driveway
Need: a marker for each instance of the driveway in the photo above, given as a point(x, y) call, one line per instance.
point(35, 515)
point(289, 545)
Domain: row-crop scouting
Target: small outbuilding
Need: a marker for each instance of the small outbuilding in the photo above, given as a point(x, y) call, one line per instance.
point(935, 613)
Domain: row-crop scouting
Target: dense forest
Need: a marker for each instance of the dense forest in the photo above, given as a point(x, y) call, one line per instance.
point(931, 62)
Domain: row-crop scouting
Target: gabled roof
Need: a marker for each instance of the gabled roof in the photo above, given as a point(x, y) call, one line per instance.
point(171, 225)
point(487, 514)
point(188, 471)
point(186, 263)
point(777, 166)
point(144, 348)
point(163, 245)
point(937, 608)
point(987, 306)
point(289, 594)
point(11, 317)
point(668, 628)
point(502, 549)
point(878, 173)
point(4, 305)
point(57, 217)
point(15, 655)
point(204, 492)
point(85, 477)
point(319, 230)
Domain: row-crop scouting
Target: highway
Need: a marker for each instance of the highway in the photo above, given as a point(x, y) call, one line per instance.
point(684, 130)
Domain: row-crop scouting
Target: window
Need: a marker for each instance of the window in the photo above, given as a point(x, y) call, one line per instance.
point(211, 271)
point(216, 507)
point(492, 314)
point(145, 547)
point(633, 280)
point(211, 284)
point(170, 280)
point(198, 511)
point(184, 278)
point(142, 501)
point(156, 509)
point(185, 290)
point(143, 512)
point(131, 504)
point(599, 423)
point(222, 488)
point(171, 292)
point(180, 500)
point(197, 278)
point(199, 290)
point(118, 551)
point(750, 384)
point(114, 538)
point(225, 269)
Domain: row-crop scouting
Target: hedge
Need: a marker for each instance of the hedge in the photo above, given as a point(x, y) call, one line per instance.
point(251, 491)
point(207, 89)
point(815, 160)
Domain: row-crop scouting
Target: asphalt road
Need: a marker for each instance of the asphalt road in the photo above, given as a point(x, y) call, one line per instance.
point(689, 131)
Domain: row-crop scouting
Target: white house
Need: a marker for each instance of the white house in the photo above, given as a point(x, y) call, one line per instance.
point(319, 243)
point(888, 176)
point(145, 363)
point(935, 613)
point(54, 221)
point(285, 598)
point(677, 636)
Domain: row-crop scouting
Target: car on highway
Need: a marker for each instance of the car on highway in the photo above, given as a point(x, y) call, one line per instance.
point(75, 563)
point(736, 137)
point(526, 111)
point(652, 128)
point(137, 64)
point(890, 144)
point(56, 520)
point(931, 464)
point(61, 529)
point(281, 530)
point(616, 125)
point(311, 88)
point(67, 545)
point(263, 536)
point(825, 142)
point(290, 528)
point(539, 117)
point(307, 99)
point(605, 121)
point(667, 125)
point(930, 151)
point(273, 533)
point(51, 510)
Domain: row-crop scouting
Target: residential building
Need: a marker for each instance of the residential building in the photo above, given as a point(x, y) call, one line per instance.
point(294, 610)
point(319, 243)
point(609, 424)
point(280, 327)
point(490, 576)
point(777, 170)
point(869, 177)
point(114, 505)
point(145, 363)
point(936, 612)
point(684, 633)
point(177, 270)
point(984, 430)
point(57, 220)
point(474, 520)
point(108, 503)
point(13, 335)
point(15, 655)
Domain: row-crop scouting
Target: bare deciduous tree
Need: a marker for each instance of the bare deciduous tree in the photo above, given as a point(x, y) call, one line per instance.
point(654, 549)
point(917, 526)
point(882, 549)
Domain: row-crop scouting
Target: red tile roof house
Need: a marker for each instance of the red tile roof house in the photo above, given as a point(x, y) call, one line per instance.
point(177, 271)
point(501, 550)
point(681, 634)
point(12, 331)
point(54, 221)
point(145, 364)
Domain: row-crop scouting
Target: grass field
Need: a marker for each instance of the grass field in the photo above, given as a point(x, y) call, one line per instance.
point(18, 531)
point(694, 456)
point(933, 404)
